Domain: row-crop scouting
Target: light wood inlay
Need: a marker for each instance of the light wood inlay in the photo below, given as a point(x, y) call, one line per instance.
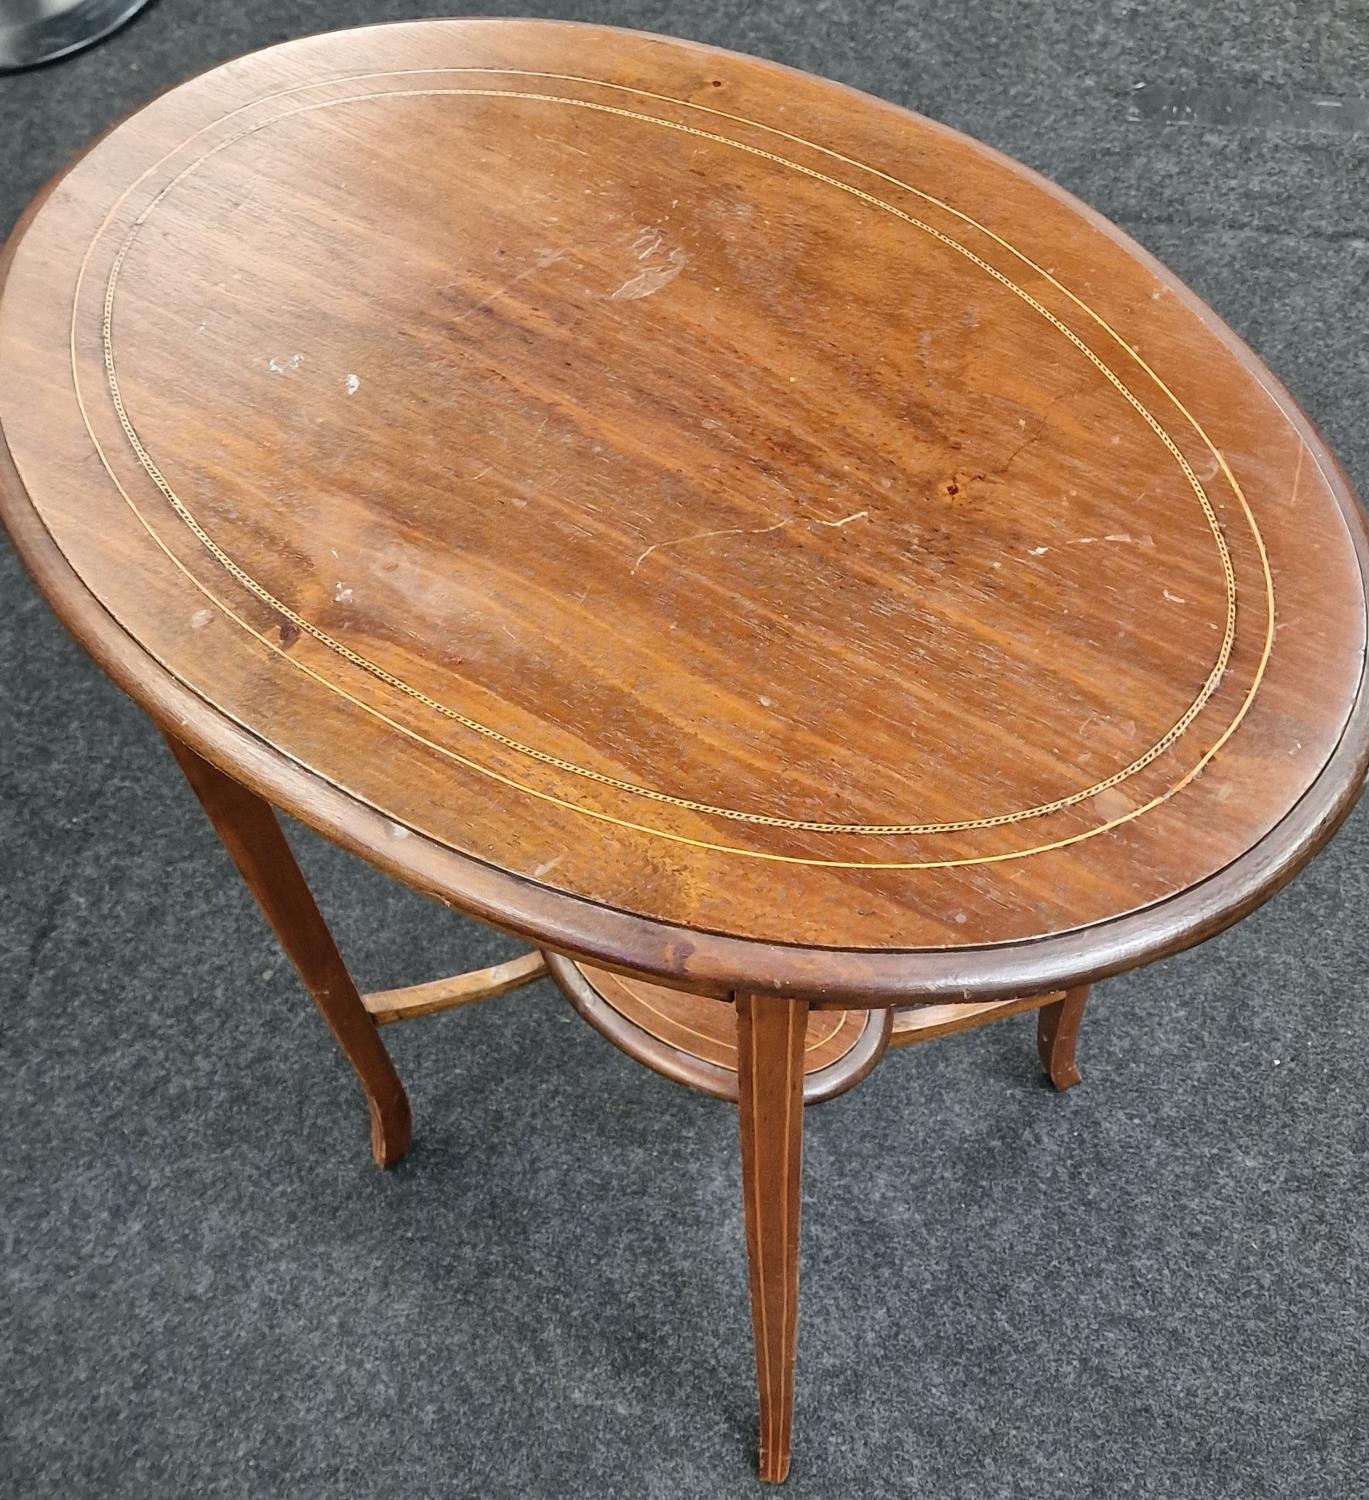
point(709, 1027)
point(693, 1038)
point(554, 442)
point(713, 524)
point(770, 1051)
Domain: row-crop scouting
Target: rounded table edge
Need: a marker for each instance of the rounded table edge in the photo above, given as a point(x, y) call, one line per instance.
point(707, 962)
point(704, 961)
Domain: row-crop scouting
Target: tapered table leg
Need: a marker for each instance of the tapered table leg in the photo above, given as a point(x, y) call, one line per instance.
point(1057, 1027)
point(770, 1042)
point(254, 840)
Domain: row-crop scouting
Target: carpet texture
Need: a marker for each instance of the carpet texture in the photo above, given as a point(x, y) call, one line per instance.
point(1154, 1286)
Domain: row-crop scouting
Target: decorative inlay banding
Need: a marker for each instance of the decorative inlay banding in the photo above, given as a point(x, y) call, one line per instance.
point(736, 815)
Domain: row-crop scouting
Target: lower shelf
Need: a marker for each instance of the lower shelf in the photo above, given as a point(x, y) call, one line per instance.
point(693, 1038)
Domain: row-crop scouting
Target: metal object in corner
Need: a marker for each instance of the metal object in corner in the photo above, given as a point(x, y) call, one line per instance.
point(39, 31)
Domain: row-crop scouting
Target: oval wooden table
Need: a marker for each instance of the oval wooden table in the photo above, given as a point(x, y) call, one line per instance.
point(791, 563)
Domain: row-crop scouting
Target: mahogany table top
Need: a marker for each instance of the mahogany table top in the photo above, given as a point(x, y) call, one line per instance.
point(686, 511)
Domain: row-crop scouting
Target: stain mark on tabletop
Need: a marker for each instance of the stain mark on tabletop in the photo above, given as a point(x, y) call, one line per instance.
point(1113, 803)
point(957, 488)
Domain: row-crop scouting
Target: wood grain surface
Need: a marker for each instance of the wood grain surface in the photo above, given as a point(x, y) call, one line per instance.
point(770, 1040)
point(694, 1038)
point(255, 843)
point(699, 516)
point(472, 988)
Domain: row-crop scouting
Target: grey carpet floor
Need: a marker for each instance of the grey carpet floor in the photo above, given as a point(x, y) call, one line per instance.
point(1155, 1286)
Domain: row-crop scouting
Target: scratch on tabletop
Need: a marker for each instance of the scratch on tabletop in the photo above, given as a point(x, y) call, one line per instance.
point(703, 536)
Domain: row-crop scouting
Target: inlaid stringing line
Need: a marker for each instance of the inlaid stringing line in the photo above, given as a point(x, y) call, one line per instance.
point(375, 670)
point(272, 647)
point(811, 1044)
point(757, 1174)
point(940, 203)
point(850, 161)
point(789, 1080)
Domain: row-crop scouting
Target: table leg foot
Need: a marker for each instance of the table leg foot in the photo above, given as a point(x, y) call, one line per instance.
point(391, 1125)
point(253, 838)
point(1057, 1028)
point(770, 1045)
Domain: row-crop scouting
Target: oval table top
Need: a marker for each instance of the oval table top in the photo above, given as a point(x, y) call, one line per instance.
point(697, 515)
